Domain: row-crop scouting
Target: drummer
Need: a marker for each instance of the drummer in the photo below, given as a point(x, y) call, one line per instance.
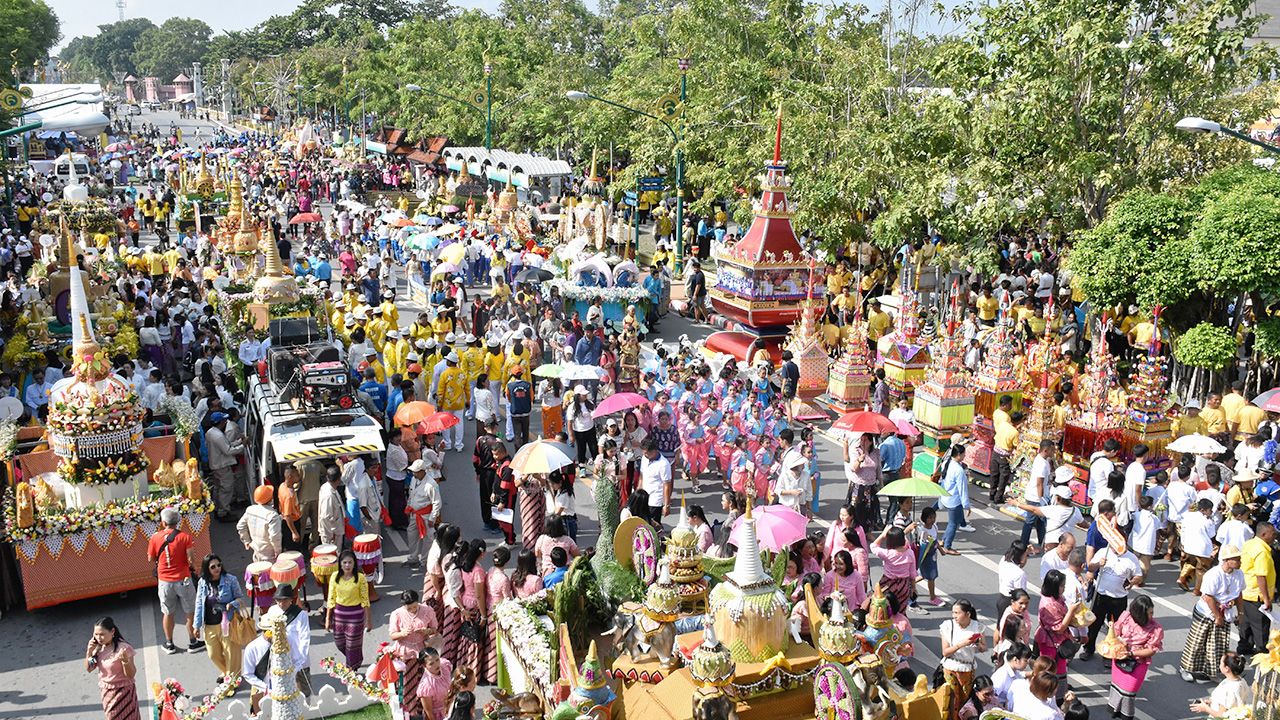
point(259, 527)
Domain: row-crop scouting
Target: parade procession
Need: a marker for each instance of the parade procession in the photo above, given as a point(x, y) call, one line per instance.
point(725, 393)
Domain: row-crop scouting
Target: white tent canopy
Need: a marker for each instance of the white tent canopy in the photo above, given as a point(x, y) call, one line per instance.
point(523, 169)
point(85, 119)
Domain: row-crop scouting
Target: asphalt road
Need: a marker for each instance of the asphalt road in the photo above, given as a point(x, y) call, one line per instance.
point(41, 674)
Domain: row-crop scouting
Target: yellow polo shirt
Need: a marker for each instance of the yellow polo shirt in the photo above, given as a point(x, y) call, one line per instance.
point(878, 323)
point(1000, 417)
point(1231, 405)
point(1215, 420)
point(1248, 419)
point(1255, 562)
point(988, 308)
point(1006, 438)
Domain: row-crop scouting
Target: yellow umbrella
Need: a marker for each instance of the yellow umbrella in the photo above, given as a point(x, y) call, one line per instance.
point(453, 253)
point(541, 457)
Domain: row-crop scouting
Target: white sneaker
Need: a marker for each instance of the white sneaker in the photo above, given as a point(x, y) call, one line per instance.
point(967, 528)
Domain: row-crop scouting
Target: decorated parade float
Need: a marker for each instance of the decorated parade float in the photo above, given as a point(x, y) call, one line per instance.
point(943, 404)
point(85, 493)
point(849, 379)
point(1095, 418)
point(1037, 426)
point(904, 353)
point(1147, 421)
point(761, 280)
point(997, 377)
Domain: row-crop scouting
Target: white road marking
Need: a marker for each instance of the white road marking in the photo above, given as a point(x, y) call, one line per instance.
point(398, 541)
point(150, 648)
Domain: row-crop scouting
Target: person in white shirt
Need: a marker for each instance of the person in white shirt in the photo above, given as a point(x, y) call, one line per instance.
point(1056, 519)
point(425, 506)
point(1213, 493)
point(1198, 530)
point(1143, 536)
point(330, 514)
point(1116, 570)
point(1179, 497)
point(1056, 559)
point(395, 492)
point(1033, 496)
point(1135, 479)
point(1235, 531)
point(1016, 660)
point(1011, 574)
point(260, 526)
point(1214, 614)
point(1101, 464)
point(485, 404)
point(1232, 693)
point(655, 479)
point(793, 479)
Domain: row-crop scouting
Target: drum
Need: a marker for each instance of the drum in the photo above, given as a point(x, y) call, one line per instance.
point(368, 550)
point(257, 580)
point(296, 558)
point(323, 550)
point(322, 569)
point(286, 572)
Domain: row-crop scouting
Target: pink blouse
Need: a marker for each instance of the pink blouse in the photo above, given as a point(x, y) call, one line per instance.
point(474, 585)
point(1138, 637)
point(852, 586)
point(1052, 611)
point(499, 587)
point(897, 563)
point(111, 672)
point(419, 624)
point(434, 689)
point(546, 544)
point(532, 586)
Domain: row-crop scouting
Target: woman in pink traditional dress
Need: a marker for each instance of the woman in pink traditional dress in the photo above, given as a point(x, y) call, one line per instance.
point(553, 537)
point(433, 688)
point(411, 627)
point(451, 598)
point(1139, 637)
point(694, 444)
point(533, 509)
point(442, 547)
point(527, 581)
point(741, 469)
point(499, 589)
point(112, 657)
point(473, 653)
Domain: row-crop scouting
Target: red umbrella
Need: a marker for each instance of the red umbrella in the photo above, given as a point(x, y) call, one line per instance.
point(864, 421)
point(401, 223)
point(304, 218)
point(437, 423)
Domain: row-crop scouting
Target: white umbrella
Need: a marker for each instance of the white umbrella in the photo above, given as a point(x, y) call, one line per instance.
point(1197, 444)
point(391, 216)
point(595, 262)
point(582, 372)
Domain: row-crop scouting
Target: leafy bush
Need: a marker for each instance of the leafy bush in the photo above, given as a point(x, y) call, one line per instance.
point(1206, 346)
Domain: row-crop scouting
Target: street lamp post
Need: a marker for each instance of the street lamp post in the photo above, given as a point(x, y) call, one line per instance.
point(487, 110)
point(1192, 124)
point(676, 137)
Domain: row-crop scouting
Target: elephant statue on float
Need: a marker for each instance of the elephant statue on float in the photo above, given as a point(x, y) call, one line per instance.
point(644, 637)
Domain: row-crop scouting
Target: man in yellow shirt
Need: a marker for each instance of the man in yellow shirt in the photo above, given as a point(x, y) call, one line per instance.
point(1141, 335)
point(377, 329)
point(878, 322)
point(1006, 442)
point(1248, 420)
point(1189, 422)
point(988, 307)
point(1001, 416)
point(494, 362)
point(1259, 570)
point(155, 265)
point(390, 312)
point(1232, 402)
point(452, 396)
point(839, 278)
point(395, 353)
point(1215, 418)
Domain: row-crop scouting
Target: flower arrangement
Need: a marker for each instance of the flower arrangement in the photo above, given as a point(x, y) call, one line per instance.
point(532, 643)
point(71, 417)
point(181, 415)
point(224, 690)
point(105, 472)
point(8, 439)
point(351, 678)
point(571, 290)
point(79, 520)
point(233, 309)
point(19, 355)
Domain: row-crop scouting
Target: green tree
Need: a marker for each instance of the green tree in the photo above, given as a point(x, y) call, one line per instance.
point(31, 28)
point(171, 48)
point(116, 44)
point(1074, 101)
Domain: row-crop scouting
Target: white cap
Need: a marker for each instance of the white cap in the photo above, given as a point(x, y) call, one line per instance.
point(452, 357)
point(430, 342)
point(393, 334)
point(470, 338)
point(450, 338)
point(417, 466)
point(1063, 475)
point(611, 422)
point(1062, 491)
point(579, 390)
point(413, 357)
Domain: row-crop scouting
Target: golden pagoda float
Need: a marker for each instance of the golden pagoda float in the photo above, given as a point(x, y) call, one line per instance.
point(83, 509)
point(1036, 427)
point(760, 281)
point(904, 353)
point(1095, 419)
point(849, 381)
point(944, 403)
point(997, 376)
point(1148, 421)
point(808, 353)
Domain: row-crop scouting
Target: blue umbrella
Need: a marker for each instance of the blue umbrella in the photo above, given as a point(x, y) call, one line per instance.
point(432, 221)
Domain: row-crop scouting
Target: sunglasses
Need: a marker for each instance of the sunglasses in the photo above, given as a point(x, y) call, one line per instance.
point(215, 566)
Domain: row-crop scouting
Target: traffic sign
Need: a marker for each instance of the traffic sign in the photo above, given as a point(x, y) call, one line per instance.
point(630, 197)
point(653, 183)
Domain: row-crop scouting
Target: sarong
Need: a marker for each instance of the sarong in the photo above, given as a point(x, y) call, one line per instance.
point(1124, 688)
point(533, 513)
point(121, 702)
point(1206, 644)
point(348, 633)
point(452, 621)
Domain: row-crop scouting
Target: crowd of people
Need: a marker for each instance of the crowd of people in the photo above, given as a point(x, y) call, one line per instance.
point(474, 351)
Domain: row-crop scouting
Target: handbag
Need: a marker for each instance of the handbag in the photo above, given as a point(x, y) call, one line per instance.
point(470, 630)
point(1127, 665)
point(1067, 649)
point(242, 630)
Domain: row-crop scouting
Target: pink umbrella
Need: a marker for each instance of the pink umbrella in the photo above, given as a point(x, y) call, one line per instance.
point(777, 527)
point(619, 402)
point(864, 421)
point(437, 423)
point(1269, 400)
point(906, 428)
point(449, 209)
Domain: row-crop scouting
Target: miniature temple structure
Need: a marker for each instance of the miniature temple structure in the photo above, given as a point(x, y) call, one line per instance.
point(1147, 421)
point(761, 279)
point(1096, 419)
point(685, 563)
point(904, 353)
point(849, 380)
point(943, 404)
point(997, 376)
point(1037, 426)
